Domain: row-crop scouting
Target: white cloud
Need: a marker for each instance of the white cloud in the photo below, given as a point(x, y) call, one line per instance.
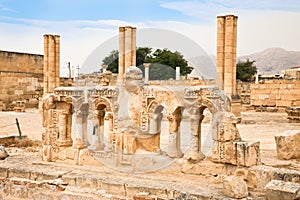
point(206, 9)
point(257, 30)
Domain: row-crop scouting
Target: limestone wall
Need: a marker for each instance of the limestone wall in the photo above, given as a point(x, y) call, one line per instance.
point(279, 93)
point(21, 76)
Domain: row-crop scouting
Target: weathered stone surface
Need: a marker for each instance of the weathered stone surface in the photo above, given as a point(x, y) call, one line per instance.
point(235, 187)
point(278, 190)
point(248, 153)
point(3, 153)
point(287, 145)
point(205, 167)
point(238, 153)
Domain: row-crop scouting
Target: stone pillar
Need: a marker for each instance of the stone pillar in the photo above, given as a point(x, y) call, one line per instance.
point(194, 152)
point(98, 129)
point(226, 54)
point(51, 62)
point(256, 77)
point(147, 69)
point(121, 51)
point(177, 73)
point(127, 49)
point(62, 127)
point(110, 126)
point(173, 150)
point(133, 46)
point(220, 51)
point(84, 118)
point(155, 123)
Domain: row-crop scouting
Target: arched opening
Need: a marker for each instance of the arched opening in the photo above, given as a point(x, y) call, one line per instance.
point(96, 131)
point(101, 127)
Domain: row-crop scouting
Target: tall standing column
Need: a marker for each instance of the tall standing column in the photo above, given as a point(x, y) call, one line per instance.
point(121, 51)
point(51, 62)
point(220, 51)
point(133, 46)
point(226, 54)
point(127, 49)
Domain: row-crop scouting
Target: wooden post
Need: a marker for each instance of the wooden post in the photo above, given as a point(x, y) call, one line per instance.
point(19, 129)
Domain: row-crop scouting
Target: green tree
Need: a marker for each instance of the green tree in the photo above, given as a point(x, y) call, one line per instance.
point(245, 70)
point(112, 60)
point(163, 62)
point(168, 61)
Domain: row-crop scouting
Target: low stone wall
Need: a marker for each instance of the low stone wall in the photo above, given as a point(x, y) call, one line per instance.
point(275, 93)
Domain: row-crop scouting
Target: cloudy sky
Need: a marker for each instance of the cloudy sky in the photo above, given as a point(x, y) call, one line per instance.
point(85, 24)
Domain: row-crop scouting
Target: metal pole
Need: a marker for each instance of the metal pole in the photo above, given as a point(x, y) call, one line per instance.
point(19, 129)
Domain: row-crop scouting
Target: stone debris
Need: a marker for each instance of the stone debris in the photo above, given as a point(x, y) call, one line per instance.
point(287, 145)
point(235, 187)
point(279, 190)
point(3, 153)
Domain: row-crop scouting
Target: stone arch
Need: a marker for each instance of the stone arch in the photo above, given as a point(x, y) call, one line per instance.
point(102, 125)
point(102, 101)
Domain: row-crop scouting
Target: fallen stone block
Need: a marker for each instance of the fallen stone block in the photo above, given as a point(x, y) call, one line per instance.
point(235, 187)
point(241, 153)
point(278, 190)
point(287, 145)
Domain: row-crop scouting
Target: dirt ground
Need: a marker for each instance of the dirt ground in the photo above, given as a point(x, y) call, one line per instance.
point(30, 123)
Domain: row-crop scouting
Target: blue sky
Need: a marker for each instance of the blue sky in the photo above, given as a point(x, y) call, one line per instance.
point(85, 24)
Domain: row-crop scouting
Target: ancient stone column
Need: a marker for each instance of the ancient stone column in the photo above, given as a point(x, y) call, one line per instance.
point(62, 127)
point(177, 73)
point(155, 122)
point(98, 132)
point(226, 54)
point(84, 116)
point(147, 69)
point(220, 51)
point(194, 152)
point(133, 46)
point(110, 126)
point(121, 52)
point(173, 149)
point(127, 49)
point(51, 62)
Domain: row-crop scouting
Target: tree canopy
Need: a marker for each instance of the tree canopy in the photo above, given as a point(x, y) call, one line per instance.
point(245, 70)
point(163, 62)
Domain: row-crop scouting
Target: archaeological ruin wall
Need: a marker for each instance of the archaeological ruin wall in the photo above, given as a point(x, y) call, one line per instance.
point(275, 93)
point(21, 77)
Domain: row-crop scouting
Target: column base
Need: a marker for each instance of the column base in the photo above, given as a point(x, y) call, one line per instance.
point(194, 156)
point(78, 144)
point(174, 154)
point(64, 143)
point(97, 145)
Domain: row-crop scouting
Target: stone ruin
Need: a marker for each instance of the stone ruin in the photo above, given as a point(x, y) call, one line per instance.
point(121, 124)
point(133, 125)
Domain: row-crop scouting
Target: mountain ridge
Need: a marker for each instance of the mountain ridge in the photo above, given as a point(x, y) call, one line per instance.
point(273, 60)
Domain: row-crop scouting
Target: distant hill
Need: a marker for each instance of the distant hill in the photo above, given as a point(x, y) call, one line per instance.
point(273, 60)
